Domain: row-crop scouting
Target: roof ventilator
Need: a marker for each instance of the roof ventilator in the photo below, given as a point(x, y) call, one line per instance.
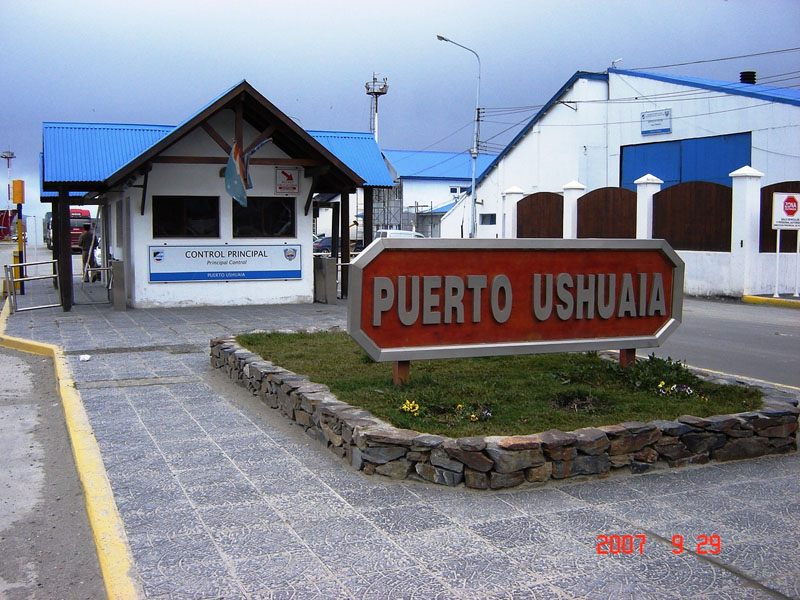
point(747, 77)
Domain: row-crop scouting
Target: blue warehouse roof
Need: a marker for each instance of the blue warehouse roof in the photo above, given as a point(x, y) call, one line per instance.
point(762, 92)
point(76, 152)
point(420, 164)
point(360, 152)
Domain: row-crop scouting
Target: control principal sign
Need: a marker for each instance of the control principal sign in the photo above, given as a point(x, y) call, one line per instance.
point(223, 263)
point(438, 298)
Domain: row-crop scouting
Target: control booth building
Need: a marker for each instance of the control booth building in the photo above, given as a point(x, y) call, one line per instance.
point(167, 209)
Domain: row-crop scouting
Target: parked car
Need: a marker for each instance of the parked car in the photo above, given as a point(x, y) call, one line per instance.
point(323, 246)
point(397, 233)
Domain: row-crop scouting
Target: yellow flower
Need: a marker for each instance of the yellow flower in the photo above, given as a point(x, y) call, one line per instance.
point(459, 407)
point(410, 407)
point(473, 418)
point(661, 384)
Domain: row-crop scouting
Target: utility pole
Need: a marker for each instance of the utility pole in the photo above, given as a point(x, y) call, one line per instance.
point(473, 152)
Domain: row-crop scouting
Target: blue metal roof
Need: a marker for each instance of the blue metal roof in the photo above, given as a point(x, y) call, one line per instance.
point(71, 194)
point(762, 92)
point(420, 164)
point(75, 152)
point(439, 210)
point(360, 152)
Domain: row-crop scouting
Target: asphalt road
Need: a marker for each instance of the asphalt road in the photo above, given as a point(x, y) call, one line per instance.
point(46, 546)
point(754, 341)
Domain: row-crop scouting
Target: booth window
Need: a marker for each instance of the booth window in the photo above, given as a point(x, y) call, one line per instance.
point(186, 216)
point(264, 217)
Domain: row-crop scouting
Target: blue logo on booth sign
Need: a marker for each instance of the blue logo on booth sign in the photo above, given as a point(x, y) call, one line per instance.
point(290, 253)
point(158, 256)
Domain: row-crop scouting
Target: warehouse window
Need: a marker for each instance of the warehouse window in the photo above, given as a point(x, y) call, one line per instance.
point(264, 217)
point(489, 219)
point(185, 216)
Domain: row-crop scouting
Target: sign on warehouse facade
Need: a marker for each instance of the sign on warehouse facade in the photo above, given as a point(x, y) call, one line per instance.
point(444, 298)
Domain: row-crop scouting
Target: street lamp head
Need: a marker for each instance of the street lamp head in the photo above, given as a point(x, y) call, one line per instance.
point(441, 38)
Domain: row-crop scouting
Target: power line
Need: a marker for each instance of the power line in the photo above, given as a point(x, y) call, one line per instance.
point(674, 117)
point(468, 124)
point(709, 60)
point(448, 159)
point(778, 75)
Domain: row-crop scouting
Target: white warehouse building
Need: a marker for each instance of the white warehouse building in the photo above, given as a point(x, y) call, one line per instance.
point(609, 129)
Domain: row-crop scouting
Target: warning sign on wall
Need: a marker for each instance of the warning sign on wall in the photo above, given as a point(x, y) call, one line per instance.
point(784, 211)
point(287, 180)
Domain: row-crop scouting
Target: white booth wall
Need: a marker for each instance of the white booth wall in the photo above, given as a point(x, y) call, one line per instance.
point(132, 243)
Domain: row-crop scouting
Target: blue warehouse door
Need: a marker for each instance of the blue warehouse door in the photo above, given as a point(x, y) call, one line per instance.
point(662, 160)
point(698, 159)
point(712, 159)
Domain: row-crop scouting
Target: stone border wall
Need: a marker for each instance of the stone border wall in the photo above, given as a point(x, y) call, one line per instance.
point(494, 462)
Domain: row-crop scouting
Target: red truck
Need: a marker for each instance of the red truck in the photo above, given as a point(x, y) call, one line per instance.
point(78, 217)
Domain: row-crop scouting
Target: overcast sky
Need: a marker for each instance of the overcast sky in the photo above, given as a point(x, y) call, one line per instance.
point(159, 62)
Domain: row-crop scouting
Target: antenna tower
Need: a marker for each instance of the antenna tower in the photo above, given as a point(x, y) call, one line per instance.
point(375, 89)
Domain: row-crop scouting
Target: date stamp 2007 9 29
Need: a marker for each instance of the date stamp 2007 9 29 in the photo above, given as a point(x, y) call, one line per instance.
point(634, 544)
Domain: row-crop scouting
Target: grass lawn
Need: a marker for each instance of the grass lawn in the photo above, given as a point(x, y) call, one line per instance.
point(501, 395)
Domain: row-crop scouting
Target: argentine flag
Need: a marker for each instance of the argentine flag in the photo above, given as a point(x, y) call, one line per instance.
point(236, 176)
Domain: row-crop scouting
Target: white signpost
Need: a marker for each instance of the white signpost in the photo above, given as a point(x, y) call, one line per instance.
point(785, 215)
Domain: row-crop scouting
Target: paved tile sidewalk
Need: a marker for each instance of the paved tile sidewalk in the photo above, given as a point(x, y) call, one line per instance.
point(222, 498)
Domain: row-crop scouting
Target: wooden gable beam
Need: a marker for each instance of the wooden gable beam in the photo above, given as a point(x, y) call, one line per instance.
point(238, 125)
point(214, 135)
point(238, 128)
point(315, 173)
point(262, 137)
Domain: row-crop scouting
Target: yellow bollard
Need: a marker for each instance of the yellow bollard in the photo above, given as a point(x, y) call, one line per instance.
point(15, 271)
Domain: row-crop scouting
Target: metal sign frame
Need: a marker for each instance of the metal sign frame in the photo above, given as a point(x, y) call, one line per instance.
point(468, 350)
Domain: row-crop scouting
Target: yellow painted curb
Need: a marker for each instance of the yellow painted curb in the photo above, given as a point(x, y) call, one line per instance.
point(744, 378)
point(747, 379)
point(785, 302)
point(113, 551)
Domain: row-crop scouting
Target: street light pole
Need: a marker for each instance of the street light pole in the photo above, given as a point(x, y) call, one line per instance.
point(474, 150)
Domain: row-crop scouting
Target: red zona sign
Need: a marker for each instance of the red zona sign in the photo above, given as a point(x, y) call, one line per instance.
point(790, 206)
point(437, 298)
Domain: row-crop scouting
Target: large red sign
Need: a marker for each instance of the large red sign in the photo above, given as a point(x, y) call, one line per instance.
point(414, 299)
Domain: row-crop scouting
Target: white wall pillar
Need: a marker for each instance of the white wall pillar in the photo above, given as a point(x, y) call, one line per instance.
point(508, 228)
point(646, 187)
point(572, 191)
point(745, 224)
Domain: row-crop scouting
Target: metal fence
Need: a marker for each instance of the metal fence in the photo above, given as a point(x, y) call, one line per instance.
point(15, 274)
